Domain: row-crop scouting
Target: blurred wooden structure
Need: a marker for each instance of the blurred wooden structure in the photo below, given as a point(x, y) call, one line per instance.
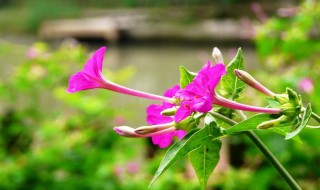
point(140, 27)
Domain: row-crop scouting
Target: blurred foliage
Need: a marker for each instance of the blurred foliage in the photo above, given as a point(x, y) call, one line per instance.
point(26, 16)
point(280, 39)
point(288, 48)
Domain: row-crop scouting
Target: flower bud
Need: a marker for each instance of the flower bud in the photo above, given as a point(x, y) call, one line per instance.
point(217, 56)
point(294, 98)
point(281, 98)
point(187, 124)
point(249, 80)
point(290, 103)
point(272, 123)
point(153, 128)
point(125, 131)
point(169, 111)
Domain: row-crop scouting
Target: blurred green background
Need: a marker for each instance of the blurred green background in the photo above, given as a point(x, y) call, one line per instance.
point(50, 139)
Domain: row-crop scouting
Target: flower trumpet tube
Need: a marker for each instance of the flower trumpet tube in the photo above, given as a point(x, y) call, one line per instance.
point(91, 77)
point(249, 80)
point(218, 100)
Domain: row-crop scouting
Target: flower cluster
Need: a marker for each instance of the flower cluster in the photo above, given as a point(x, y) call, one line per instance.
point(198, 96)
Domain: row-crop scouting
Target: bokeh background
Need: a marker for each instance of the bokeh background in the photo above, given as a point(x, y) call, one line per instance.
point(50, 139)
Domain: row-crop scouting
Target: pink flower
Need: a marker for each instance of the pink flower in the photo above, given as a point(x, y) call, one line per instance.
point(306, 85)
point(133, 167)
point(198, 95)
point(32, 53)
point(91, 77)
point(155, 117)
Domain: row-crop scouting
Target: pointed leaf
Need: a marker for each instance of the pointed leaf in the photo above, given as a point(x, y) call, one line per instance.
point(305, 119)
point(193, 140)
point(231, 85)
point(186, 76)
point(204, 159)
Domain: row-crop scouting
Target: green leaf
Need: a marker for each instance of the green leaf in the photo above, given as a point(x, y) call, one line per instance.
point(193, 140)
point(204, 159)
point(249, 124)
point(186, 76)
point(231, 85)
point(305, 119)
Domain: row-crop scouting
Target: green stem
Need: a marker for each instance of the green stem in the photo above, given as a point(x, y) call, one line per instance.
point(264, 149)
point(274, 161)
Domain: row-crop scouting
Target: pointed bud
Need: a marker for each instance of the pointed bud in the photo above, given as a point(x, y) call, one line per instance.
point(169, 111)
point(249, 80)
point(272, 123)
point(217, 56)
point(294, 97)
point(125, 131)
point(153, 128)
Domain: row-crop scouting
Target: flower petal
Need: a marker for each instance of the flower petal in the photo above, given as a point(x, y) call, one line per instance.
point(93, 66)
point(183, 111)
point(154, 117)
point(163, 140)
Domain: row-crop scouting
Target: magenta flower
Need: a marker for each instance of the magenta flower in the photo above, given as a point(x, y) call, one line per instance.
point(154, 110)
point(155, 117)
point(91, 77)
point(198, 95)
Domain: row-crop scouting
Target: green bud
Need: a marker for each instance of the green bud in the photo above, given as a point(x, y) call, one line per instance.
point(290, 103)
point(294, 97)
point(281, 98)
point(169, 111)
point(187, 124)
point(272, 123)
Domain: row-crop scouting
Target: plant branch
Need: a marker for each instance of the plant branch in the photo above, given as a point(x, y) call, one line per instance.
point(264, 149)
